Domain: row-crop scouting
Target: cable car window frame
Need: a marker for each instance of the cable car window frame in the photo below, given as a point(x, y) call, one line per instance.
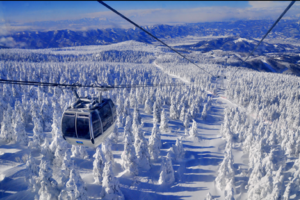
point(101, 127)
point(104, 126)
point(88, 117)
point(75, 127)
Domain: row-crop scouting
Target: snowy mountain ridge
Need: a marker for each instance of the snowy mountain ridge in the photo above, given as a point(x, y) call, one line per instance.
point(286, 29)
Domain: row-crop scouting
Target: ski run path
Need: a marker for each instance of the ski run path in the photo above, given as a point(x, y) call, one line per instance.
point(194, 175)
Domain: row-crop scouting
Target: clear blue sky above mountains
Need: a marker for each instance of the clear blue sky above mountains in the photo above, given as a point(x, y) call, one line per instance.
point(28, 15)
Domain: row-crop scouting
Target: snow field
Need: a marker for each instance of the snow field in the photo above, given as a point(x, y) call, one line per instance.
point(30, 128)
point(248, 151)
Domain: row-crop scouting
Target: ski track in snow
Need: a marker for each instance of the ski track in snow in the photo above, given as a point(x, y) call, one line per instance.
point(194, 174)
point(172, 75)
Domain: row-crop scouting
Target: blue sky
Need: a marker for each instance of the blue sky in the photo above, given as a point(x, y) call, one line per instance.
point(49, 10)
point(31, 15)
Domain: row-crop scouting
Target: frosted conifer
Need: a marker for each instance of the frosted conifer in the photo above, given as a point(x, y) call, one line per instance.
point(75, 151)
point(154, 143)
point(182, 113)
point(32, 173)
point(75, 188)
point(106, 149)
point(193, 130)
point(19, 131)
point(46, 151)
point(167, 172)
point(38, 137)
point(164, 122)
point(136, 116)
point(156, 113)
point(98, 166)
point(110, 185)
point(66, 167)
point(177, 149)
point(141, 149)
point(48, 188)
point(204, 112)
point(128, 129)
point(148, 106)
point(186, 121)
point(7, 132)
point(173, 111)
point(114, 135)
point(128, 156)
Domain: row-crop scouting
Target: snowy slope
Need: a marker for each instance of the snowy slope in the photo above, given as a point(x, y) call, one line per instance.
point(237, 124)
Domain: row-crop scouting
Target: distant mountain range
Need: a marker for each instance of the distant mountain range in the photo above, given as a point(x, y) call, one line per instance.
point(68, 38)
point(239, 44)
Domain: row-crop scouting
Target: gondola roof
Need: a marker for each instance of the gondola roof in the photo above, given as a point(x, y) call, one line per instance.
point(85, 104)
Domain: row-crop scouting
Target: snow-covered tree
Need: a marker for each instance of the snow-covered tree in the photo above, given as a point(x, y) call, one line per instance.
point(75, 188)
point(194, 129)
point(156, 113)
point(106, 149)
point(57, 115)
point(47, 112)
point(110, 185)
point(127, 107)
point(38, 136)
point(32, 171)
point(148, 106)
point(204, 112)
point(19, 131)
point(98, 166)
point(7, 131)
point(120, 119)
point(141, 149)
point(229, 190)
point(66, 167)
point(225, 173)
point(128, 156)
point(164, 122)
point(48, 189)
point(136, 116)
point(173, 111)
point(79, 152)
point(59, 153)
point(186, 121)
point(167, 173)
point(177, 150)
point(115, 134)
point(154, 143)
point(193, 111)
point(182, 113)
point(128, 129)
point(46, 151)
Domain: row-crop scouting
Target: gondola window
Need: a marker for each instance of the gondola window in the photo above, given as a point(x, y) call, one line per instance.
point(83, 130)
point(68, 125)
point(106, 116)
point(96, 124)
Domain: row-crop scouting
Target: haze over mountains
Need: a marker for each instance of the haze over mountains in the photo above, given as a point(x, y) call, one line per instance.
point(226, 43)
point(244, 29)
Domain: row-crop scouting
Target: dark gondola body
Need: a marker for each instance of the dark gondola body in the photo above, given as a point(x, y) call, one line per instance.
point(88, 122)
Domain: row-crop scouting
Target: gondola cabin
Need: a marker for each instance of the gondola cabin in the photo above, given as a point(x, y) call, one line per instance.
point(87, 122)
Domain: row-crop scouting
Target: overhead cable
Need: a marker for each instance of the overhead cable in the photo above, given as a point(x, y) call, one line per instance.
point(44, 84)
point(270, 29)
point(136, 25)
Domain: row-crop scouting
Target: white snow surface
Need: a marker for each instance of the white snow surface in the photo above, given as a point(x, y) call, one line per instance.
point(244, 39)
point(195, 173)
